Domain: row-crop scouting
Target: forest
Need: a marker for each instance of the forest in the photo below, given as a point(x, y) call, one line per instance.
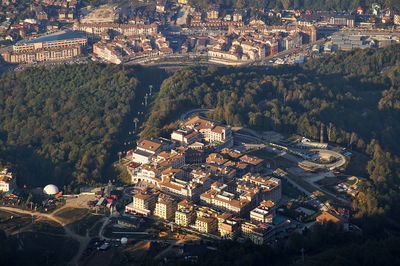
point(62, 124)
point(338, 5)
point(357, 105)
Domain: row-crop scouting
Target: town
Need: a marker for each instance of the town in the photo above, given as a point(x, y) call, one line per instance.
point(57, 31)
point(207, 181)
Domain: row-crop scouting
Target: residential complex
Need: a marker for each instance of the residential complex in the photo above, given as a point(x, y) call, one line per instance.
point(59, 46)
point(217, 192)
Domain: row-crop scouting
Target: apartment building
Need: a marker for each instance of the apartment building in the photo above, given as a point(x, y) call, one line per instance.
point(165, 207)
point(269, 187)
point(143, 203)
point(107, 52)
point(96, 29)
point(264, 213)
point(219, 198)
point(212, 132)
point(42, 55)
point(185, 217)
point(206, 225)
point(60, 46)
point(57, 40)
point(259, 234)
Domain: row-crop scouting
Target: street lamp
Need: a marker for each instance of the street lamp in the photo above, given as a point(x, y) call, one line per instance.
point(136, 121)
point(119, 157)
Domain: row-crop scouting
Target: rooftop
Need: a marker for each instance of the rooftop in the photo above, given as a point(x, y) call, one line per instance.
point(58, 36)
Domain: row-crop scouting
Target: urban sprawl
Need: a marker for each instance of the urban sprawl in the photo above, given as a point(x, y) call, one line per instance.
point(62, 30)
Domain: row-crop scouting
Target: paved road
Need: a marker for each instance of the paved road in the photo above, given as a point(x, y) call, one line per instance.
point(188, 114)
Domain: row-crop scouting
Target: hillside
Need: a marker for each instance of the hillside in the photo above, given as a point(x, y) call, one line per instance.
point(61, 124)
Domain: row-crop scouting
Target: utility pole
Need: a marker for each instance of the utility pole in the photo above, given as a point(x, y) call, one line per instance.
point(145, 99)
point(119, 157)
point(150, 88)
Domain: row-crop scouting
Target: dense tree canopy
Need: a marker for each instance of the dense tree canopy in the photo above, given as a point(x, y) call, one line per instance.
point(61, 124)
point(295, 4)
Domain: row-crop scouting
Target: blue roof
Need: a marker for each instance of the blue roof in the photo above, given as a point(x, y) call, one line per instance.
point(59, 36)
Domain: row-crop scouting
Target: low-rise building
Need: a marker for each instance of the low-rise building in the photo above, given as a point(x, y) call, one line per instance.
point(7, 180)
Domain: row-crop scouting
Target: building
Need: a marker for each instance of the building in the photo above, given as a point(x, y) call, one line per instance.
point(129, 222)
point(264, 213)
point(396, 19)
point(269, 188)
point(7, 180)
point(256, 164)
point(145, 150)
point(57, 40)
point(228, 227)
point(143, 203)
point(185, 217)
point(206, 225)
point(41, 55)
point(107, 52)
point(60, 46)
point(212, 132)
point(161, 5)
point(96, 29)
point(348, 42)
point(165, 207)
point(259, 234)
point(185, 136)
point(221, 199)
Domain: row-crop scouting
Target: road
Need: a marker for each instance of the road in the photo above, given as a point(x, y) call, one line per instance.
point(83, 240)
point(188, 114)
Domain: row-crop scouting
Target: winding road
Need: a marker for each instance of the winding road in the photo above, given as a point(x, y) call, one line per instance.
point(188, 114)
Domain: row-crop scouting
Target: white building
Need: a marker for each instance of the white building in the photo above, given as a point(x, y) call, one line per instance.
point(7, 180)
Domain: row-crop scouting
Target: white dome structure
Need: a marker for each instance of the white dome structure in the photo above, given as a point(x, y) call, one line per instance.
point(50, 189)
